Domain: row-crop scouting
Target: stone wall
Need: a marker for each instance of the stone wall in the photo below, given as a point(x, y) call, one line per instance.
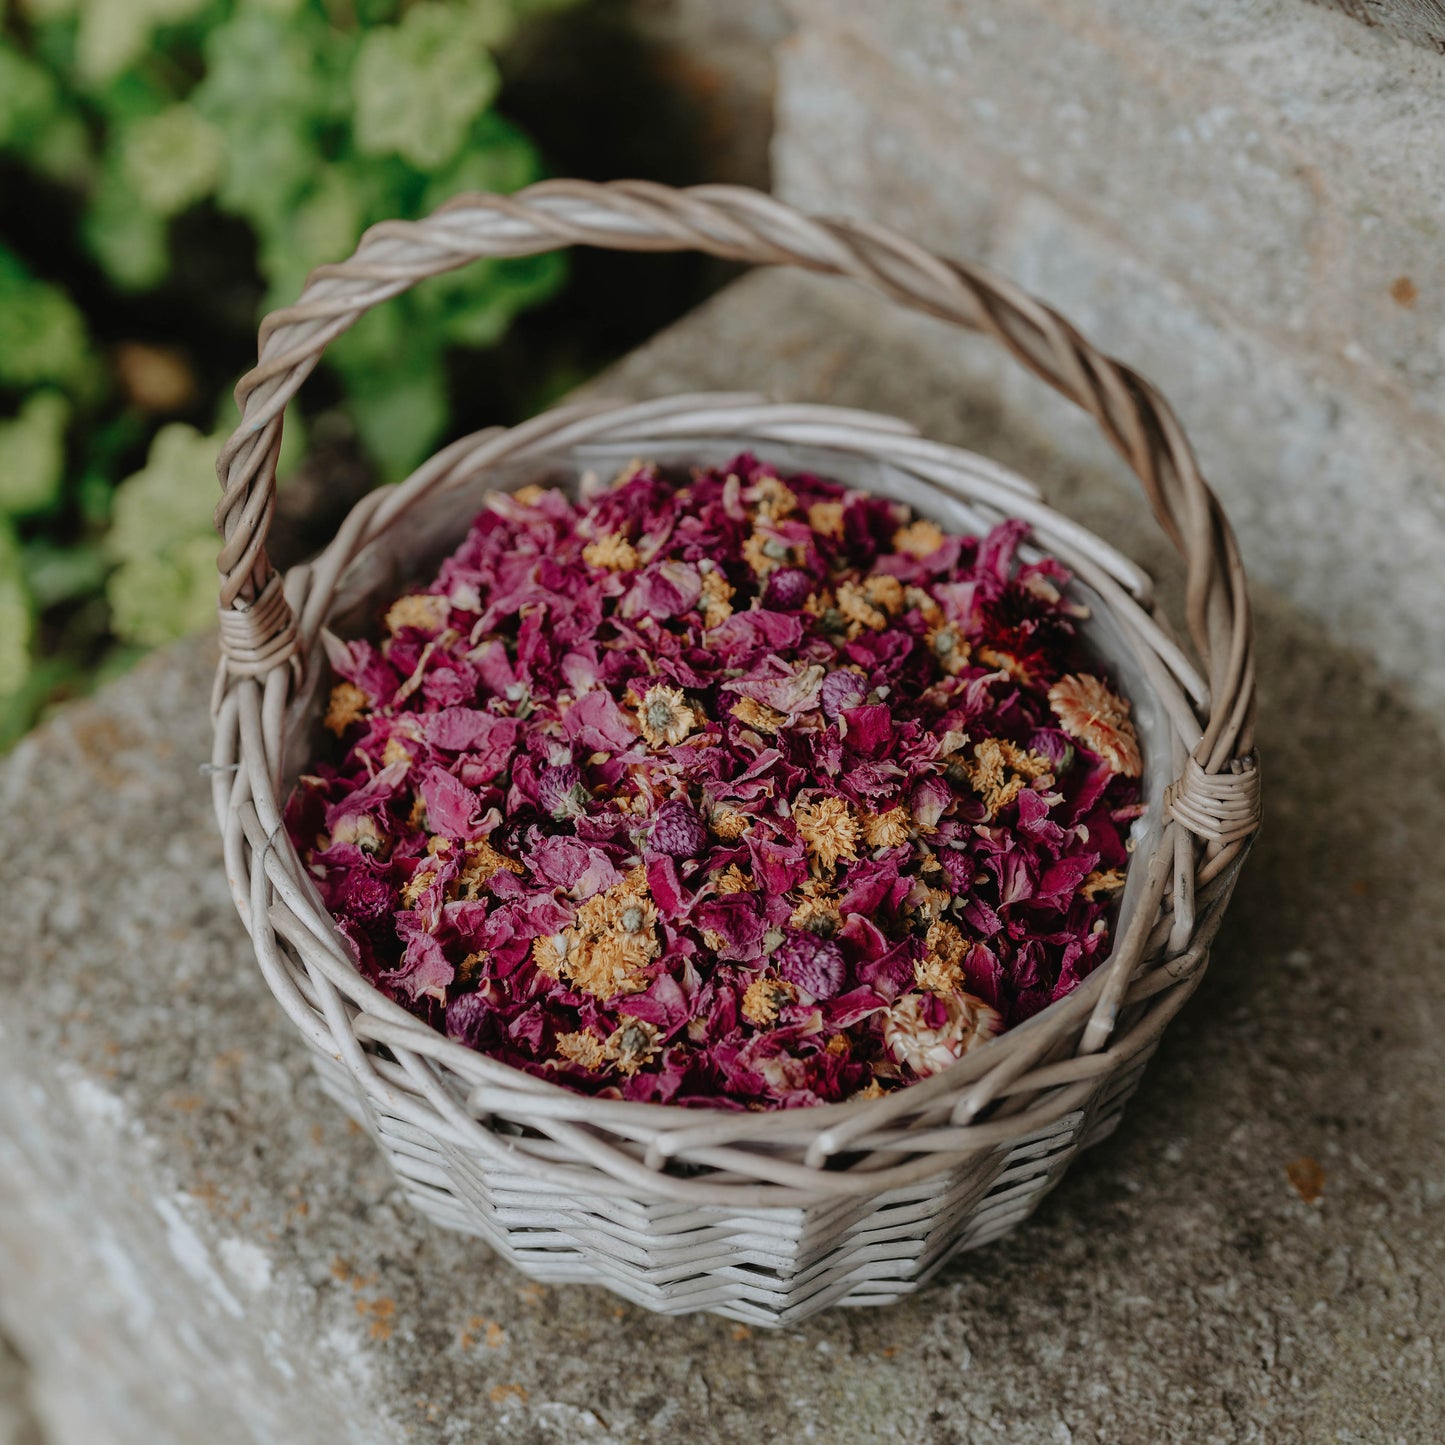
point(1243, 198)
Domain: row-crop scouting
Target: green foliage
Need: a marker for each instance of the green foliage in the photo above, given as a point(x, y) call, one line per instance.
point(417, 86)
point(162, 539)
point(42, 335)
point(32, 455)
point(307, 120)
point(16, 617)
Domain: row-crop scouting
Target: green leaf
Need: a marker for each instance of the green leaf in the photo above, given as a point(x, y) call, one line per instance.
point(419, 85)
point(128, 240)
point(114, 34)
point(155, 600)
point(497, 157)
point(270, 84)
point(62, 150)
point(173, 159)
point(29, 98)
point(42, 335)
point(162, 539)
point(17, 617)
point(55, 574)
point(400, 417)
point(32, 455)
point(324, 226)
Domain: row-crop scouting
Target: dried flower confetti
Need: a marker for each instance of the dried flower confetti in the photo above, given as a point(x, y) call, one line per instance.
point(1099, 719)
point(734, 790)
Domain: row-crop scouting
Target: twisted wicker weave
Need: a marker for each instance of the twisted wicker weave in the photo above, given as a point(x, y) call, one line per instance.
point(765, 1217)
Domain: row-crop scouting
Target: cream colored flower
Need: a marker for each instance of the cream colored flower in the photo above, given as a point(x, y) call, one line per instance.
point(632, 1044)
point(950, 647)
point(606, 966)
point(885, 591)
point(732, 879)
point(1003, 661)
point(665, 716)
point(1111, 880)
point(941, 968)
point(1099, 719)
point(855, 605)
point(1039, 586)
point(758, 715)
point(728, 823)
point(395, 751)
point(764, 997)
point(924, 605)
point(479, 862)
point(818, 915)
point(926, 1049)
point(826, 518)
point(612, 553)
point(613, 940)
point(347, 705)
point(361, 829)
point(418, 884)
point(471, 966)
point(1001, 770)
point(422, 609)
point(926, 903)
point(764, 553)
point(584, 1049)
point(552, 952)
point(774, 499)
point(919, 539)
point(717, 595)
point(888, 829)
point(829, 830)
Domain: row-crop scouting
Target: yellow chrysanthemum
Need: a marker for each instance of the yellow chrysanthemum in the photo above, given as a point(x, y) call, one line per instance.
point(829, 830)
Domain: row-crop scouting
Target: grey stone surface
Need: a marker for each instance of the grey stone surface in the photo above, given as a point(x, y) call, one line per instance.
point(195, 1246)
point(1243, 199)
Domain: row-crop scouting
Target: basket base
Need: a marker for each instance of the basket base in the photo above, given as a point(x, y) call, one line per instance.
point(766, 1267)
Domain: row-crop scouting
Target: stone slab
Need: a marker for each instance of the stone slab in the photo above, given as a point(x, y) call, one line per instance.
point(1282, 161)
point(194, 1245)
point(1337, 488)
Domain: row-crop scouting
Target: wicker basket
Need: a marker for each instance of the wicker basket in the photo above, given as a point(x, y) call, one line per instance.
point(763, 1217)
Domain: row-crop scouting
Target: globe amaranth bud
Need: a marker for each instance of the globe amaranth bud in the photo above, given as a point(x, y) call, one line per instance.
point(677, 830)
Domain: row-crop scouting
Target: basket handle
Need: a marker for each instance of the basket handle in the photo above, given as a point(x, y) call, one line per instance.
point(258, 630)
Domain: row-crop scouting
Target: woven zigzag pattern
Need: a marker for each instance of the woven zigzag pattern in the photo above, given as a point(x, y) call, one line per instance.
point(762, 1216)
point(763, 1267)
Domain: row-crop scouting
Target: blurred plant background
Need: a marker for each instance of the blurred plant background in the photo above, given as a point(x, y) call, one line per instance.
point(171, 169)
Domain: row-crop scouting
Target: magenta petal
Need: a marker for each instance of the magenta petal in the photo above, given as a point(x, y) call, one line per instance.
point(424, 968)
point(450, 807)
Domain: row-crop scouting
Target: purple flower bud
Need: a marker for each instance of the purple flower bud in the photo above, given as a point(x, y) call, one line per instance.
point(678, 831)
point(816, 965)
point(841, 690)
point(788, 588)
point(369, 898)
point(467, 1019)
point(560, 791)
